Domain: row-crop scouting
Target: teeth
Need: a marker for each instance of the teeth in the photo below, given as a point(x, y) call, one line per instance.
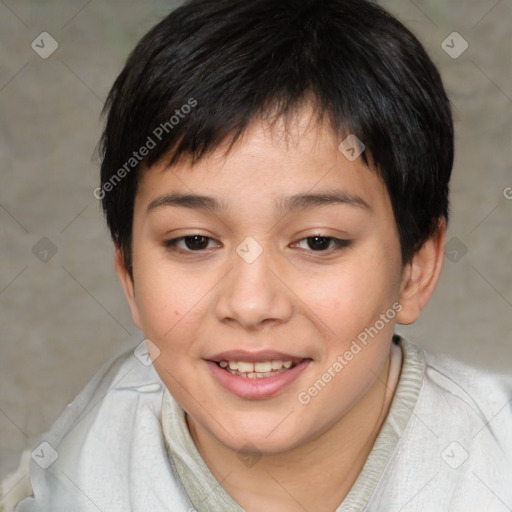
point(255, 370)
point(244, 367)
point(265, 366)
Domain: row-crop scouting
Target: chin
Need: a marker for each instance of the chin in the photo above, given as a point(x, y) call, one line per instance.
point(270, 437)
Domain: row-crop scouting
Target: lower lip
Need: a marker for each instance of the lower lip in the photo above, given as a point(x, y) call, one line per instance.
point(257, 388)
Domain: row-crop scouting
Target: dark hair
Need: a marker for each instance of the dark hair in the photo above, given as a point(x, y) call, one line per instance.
point(229, 61)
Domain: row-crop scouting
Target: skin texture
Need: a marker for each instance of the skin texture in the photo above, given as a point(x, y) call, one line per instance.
point(292, 299)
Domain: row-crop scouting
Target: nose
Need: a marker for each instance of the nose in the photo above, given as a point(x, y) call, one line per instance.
point(252, 296)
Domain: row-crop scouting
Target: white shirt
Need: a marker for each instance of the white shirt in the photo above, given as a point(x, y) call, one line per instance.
point(123, 445)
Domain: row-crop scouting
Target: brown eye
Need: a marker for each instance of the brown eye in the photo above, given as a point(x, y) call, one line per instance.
point(319, 243)
point(196, 242)
point(191, 243)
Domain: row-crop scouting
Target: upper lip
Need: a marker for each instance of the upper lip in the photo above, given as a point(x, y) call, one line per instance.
point(255, 357)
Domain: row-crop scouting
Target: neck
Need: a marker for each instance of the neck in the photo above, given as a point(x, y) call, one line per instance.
point(284, 481)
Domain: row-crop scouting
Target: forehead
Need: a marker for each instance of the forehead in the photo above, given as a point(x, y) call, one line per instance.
point(266, 167)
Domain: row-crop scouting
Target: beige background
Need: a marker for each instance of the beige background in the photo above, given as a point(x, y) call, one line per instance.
point(61, 319)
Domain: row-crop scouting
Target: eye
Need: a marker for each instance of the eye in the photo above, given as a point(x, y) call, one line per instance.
point(191, 243)
point(319, 243)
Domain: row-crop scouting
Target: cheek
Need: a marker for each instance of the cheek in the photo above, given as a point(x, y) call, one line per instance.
point(169, 299)
point(352, 297)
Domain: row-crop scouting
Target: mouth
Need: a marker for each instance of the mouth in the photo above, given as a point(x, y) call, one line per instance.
point(256, 375)
point(258, 370)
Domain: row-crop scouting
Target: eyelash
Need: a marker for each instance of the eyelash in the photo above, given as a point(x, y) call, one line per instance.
point(339, 244)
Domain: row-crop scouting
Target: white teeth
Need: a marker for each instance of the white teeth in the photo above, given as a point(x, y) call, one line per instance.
point(244, 367)
point(255, 370)
point(264, 366)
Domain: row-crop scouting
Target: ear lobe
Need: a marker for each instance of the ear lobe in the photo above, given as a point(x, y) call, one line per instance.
point(420, 276)
point(128, 286)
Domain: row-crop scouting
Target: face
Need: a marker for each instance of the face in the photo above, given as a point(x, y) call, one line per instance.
point(255, 272)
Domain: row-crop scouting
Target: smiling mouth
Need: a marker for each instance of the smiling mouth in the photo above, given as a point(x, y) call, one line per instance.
point(258, 370)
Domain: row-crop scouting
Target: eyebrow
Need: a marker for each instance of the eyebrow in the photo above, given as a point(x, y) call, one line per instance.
point(194, 201)
point(283, 205)
point(310, 200)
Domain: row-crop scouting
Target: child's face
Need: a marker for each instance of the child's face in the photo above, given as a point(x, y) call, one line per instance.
point(198, 300)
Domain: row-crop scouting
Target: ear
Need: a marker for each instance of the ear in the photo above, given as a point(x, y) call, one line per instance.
point(420, 276)
point(128, 286)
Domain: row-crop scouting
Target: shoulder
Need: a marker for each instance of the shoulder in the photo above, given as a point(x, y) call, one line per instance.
point(455, 452)
point(126, 371)
point(86, 427)
point(483, 393)
point(448, 383)
point(467, 414)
